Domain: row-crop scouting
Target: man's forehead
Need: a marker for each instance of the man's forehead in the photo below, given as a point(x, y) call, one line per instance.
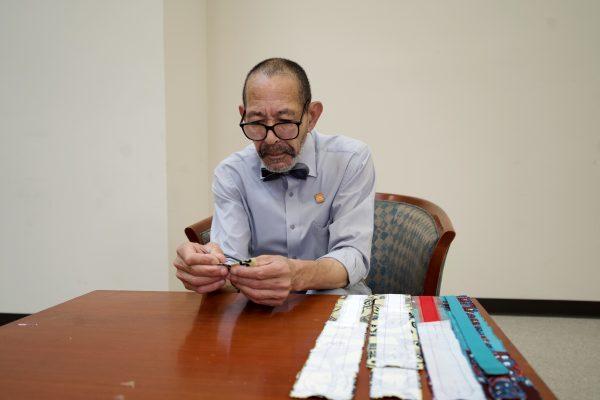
point(280, 89)
point(271, 109)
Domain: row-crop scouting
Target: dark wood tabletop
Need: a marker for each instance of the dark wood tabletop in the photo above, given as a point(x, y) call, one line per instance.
point(155, 345)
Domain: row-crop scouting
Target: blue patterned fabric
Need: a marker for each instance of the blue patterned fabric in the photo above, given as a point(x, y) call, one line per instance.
point(205, 236)
point(403, 242)
point(511, 386)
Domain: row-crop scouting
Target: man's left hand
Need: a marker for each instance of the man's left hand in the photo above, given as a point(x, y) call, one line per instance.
point(268, 281)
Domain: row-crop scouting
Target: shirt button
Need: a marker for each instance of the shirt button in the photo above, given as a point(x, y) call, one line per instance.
point(291, 194)
point(292, 226)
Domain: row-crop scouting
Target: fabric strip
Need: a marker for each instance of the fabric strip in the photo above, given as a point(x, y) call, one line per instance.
point(379, 302)
point(351, 310)
point(496, 387)
point(393, 353)
point(480, 352)
point(448, 369)
point(394, 346)
point(487, 331)
point(395, 382)
point(457, 332)
point(429, 311)
point(332, 365)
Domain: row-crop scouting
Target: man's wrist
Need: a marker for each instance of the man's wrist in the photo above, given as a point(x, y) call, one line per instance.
point(300, 271)
point(324, 273)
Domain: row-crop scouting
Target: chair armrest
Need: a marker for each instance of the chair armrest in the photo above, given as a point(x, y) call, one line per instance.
point(194, 232)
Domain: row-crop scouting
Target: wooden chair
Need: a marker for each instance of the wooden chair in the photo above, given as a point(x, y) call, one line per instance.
point(410, 241)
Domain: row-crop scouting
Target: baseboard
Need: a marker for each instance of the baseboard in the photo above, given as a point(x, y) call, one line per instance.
point(6, 318)
point(557, 308)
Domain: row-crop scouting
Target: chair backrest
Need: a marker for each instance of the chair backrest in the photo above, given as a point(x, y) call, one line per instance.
point(200, 231)
point(411, 238)
point(410, 242)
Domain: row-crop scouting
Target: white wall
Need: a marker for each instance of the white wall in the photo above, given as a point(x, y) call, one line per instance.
point(82, 150)
point(489, 109)
point(188, 172)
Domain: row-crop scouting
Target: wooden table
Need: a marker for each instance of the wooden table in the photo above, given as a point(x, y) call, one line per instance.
point(155, 345)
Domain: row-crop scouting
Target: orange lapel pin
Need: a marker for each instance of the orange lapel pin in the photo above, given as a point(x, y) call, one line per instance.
point(319, 198)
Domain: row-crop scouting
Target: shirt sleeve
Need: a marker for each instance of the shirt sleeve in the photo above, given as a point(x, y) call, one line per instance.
point(351, 229)
point(230, 227)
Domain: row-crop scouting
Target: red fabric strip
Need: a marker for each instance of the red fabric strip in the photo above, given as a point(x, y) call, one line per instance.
point(429, 311)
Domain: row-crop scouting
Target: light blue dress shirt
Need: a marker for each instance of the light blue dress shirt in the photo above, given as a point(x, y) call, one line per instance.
point(254, 217)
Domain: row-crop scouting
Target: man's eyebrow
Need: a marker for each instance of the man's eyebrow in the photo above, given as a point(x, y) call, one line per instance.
point(286, 111)
point(254, 114)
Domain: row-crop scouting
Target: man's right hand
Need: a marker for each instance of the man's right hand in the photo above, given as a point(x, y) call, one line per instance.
point(197, 269)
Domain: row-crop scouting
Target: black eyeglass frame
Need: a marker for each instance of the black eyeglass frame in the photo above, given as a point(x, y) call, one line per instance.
point(272, 127)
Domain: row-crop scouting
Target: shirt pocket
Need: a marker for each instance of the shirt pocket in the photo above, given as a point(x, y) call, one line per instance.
point(319, 216)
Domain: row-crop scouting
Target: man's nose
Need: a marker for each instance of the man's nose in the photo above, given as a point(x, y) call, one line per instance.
point(271, 138)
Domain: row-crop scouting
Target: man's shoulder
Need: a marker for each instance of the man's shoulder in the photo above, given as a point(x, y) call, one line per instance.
point(240, 161)
point(340, 144)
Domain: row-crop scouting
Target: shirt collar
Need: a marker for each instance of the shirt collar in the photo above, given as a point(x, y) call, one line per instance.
point(307, 156)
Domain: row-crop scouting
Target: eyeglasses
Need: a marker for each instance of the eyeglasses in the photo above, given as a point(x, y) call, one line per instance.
point(286, 130)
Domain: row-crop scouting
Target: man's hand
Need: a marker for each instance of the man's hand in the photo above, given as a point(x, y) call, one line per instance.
point(268, 281)
point(196, 267)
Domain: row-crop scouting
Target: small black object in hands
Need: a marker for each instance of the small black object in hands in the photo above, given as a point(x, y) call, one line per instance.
point(235, 261)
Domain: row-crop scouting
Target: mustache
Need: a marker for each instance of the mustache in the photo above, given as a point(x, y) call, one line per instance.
point(277, 148)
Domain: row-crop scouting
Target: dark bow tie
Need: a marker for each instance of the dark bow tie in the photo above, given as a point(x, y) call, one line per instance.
point(299, 171)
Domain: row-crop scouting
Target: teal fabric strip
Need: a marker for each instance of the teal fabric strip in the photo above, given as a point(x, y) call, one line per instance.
point(496, 343)
point(458, 333)
point(481, 353)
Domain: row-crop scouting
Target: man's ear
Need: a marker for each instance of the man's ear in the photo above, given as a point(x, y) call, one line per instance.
point(241, 108)
point(315, 109)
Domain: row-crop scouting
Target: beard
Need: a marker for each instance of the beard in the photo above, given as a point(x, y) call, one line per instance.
point(277, 149)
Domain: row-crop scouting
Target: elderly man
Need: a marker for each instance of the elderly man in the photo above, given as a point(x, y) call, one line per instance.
point(298, 201)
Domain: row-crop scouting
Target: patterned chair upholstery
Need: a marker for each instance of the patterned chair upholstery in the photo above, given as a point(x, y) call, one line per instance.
point(205, 236)
point(410, 242)
point(200, 231)
point(403, 241)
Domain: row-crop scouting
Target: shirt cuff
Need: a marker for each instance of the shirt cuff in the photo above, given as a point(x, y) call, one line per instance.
point(351, 259)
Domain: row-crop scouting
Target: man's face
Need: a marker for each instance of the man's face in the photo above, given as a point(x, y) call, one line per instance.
point(270, 100)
